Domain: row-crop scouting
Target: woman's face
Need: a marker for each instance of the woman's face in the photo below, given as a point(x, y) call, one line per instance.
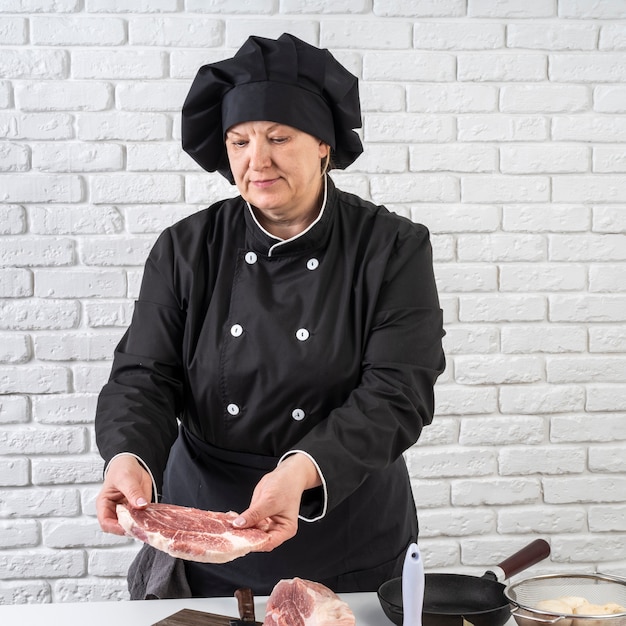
point(276, 168)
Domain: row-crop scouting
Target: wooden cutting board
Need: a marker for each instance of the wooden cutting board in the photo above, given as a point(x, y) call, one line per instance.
point(190, 617)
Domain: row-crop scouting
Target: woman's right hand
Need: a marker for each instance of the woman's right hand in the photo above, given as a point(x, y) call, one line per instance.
point(126, 481)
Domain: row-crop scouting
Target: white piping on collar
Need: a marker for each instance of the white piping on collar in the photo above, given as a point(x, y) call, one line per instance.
point(280, 241)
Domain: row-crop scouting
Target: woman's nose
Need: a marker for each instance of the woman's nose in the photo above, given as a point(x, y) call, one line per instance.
point(259, 155)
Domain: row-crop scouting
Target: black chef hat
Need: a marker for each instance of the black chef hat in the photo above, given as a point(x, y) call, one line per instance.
point(285, 80)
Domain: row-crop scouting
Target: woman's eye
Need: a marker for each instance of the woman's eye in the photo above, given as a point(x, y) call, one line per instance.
point(279, 139)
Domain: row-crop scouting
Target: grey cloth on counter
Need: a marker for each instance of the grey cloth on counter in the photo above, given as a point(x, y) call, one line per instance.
point(155, 575)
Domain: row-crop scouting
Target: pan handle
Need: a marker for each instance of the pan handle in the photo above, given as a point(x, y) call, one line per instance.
point(536, 619)
point(534, 552)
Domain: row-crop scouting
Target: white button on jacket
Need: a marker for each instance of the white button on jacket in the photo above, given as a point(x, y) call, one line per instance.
point(302, 334)
point(298, 414)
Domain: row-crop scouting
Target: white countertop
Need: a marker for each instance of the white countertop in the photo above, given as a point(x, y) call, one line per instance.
point(365, 606)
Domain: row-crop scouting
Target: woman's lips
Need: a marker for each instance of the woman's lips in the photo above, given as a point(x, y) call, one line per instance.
point(263, 184)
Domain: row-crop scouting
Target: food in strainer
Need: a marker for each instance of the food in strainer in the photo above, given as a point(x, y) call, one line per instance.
point(555, 606)
point(574, 605)
point(599, 609)
point(574, 601)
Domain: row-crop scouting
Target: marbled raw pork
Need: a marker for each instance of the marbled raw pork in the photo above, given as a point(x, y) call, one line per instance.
point(191, 534)
point(298, 602)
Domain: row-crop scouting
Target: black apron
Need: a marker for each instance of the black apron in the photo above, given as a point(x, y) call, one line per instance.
point(356, 546)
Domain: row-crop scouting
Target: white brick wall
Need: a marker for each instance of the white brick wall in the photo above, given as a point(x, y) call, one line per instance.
point(500, 125)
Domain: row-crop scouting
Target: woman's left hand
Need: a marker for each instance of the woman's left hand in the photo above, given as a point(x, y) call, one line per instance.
point(276, 499)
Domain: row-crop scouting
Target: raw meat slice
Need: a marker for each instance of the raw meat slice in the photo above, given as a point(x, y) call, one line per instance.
point(298, 602)
point(191, 534)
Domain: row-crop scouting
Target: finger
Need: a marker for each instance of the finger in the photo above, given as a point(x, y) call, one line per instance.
point(250, 517)
point(126, 481)
point(107, 514)
point(136, 499)
point(107, 517)
point(134, 487)
point(277, 536)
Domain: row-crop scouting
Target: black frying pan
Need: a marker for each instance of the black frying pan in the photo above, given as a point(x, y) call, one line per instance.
point(450, 598)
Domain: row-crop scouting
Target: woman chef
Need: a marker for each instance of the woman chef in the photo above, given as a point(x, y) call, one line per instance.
point(284, 345)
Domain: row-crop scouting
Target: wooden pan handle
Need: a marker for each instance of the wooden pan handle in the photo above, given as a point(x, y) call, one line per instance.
point(533, 553)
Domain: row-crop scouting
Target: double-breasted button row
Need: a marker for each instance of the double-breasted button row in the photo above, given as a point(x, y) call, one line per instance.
point(296, 414)
point(302, 334)
point(251, 258)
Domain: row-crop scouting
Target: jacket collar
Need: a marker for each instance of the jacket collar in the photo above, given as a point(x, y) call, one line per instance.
point(312, 237)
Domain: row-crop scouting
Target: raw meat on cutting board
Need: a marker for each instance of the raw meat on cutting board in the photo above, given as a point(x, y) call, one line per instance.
point(191, 534)
point(298, 602)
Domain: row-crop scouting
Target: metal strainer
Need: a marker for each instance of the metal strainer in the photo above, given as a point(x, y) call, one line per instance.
point(599, 589)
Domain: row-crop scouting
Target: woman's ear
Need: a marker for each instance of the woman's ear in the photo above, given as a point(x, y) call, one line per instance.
point(325, 162)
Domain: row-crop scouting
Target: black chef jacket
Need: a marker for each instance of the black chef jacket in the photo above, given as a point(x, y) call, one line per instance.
point(328, 343)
